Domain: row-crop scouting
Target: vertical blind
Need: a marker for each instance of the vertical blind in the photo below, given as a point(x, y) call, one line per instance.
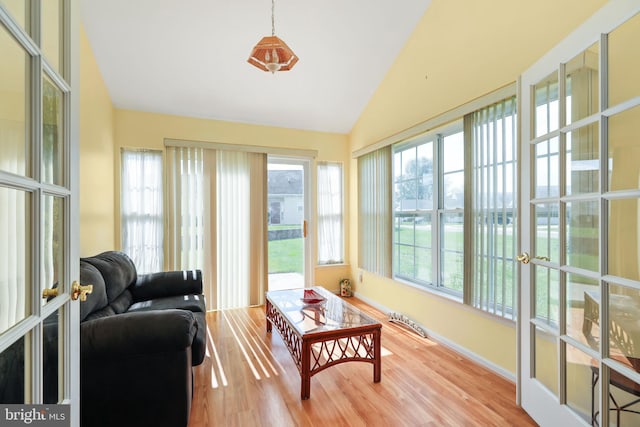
point(141, 207)
point(329, 206)
point(217, 220)
point(494, 207)
point(374, 175)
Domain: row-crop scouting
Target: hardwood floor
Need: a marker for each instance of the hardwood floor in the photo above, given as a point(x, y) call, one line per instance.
point(249, 379)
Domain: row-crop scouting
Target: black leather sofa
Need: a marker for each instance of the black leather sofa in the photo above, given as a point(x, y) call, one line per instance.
point(140, 335)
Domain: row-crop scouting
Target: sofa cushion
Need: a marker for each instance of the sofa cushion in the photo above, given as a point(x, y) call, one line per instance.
point(97, 299)
point(117, 269)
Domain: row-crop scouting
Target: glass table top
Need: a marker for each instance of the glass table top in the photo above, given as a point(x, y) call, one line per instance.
point(329, 315)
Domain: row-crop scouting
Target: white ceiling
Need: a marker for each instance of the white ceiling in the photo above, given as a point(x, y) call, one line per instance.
point(189, 57)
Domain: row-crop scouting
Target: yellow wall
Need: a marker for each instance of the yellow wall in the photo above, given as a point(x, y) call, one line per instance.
point(97, 212)
point(456, 54)
point(135, 129)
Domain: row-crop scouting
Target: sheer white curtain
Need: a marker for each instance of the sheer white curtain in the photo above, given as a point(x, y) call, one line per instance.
point(330, 224)
point(217, 210)
point(14, 214)
point(141, 207)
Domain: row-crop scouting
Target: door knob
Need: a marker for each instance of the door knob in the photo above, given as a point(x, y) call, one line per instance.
point(80, 291)
point(49, 293)
point(524, 258)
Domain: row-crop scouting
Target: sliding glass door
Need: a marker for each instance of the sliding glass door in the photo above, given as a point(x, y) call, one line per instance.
point(288, 222)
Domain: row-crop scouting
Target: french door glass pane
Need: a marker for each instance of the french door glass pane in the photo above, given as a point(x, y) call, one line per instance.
point(624, 238)
point(546, 115)
point(14, 106)
point(547, 291)
point(52, 134)
point(583, 160)
point(582, 89)
point(547, 239)
point(15, 257)
point(624, 150)
point(624, 329)
point(546, 359)
point(53, 239)
point(624, 52)
point(582, 316)
point(583, 247)
point(52, 25)
point(623, 392)
point(12, 370)
point(581, 371)
point(547, 169)
point(19, 10)
point(52, 356)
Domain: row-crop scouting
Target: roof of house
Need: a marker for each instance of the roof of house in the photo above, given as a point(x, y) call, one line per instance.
point(285, 182)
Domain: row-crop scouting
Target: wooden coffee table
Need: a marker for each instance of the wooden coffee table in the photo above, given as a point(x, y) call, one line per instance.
point(323, 334)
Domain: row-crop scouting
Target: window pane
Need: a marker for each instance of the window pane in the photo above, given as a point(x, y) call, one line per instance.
point(15, 258)
point(453, 189)
point(547, 169)
point(547, 239)
point(582, 74)
point(546, 360)
point(581, 323)
point(547, 290)
point(330, 234)
point(453, 152)
point(52, 134)
point(583, 221)
point(53, 238)
point(581, 371)
point(142, 209)
point(546, 117)
point(624, 52)
point(624, 312)
point(52, 354)
point(52, 25)
point(583, 160)
point(19, 10)
point(624, 232)
point(14, 106)
point(624, 150)
point(452, 251)
point(13, 368)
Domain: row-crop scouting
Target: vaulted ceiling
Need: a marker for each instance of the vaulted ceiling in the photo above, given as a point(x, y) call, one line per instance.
point(190, 57)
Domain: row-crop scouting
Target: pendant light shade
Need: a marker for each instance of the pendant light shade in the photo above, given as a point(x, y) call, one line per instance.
point(272, 53)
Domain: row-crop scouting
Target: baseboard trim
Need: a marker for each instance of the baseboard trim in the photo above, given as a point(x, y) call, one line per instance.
point(450, 344)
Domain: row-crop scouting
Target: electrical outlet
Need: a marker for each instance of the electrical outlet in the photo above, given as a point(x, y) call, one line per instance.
point(360, 277)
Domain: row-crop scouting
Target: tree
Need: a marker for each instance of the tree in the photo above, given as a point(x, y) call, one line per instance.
point(416, 183)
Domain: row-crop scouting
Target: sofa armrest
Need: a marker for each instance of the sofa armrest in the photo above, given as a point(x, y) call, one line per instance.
point(167, 284)
point(134, 334)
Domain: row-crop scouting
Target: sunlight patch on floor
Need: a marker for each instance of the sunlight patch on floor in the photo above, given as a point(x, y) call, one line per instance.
point(216, 357)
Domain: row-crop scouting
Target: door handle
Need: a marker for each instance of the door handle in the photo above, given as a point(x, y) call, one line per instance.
point(80, 291)
point(49, 293)
point(304, 228)
point(524, 258)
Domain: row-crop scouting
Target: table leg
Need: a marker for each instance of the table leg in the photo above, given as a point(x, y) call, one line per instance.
point(268, 310)
point(305, 375)
point(377, 357)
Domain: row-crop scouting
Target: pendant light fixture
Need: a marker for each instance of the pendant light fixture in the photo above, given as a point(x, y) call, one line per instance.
point(271, 53)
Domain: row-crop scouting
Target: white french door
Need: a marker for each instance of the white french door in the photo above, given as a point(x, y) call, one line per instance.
point(39, 323)
point(580, 203)
point(289, 222)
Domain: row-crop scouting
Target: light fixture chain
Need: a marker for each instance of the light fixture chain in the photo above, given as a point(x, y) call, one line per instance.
point(273, 20)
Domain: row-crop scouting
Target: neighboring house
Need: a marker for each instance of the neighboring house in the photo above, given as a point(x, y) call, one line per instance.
point(285, 200)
